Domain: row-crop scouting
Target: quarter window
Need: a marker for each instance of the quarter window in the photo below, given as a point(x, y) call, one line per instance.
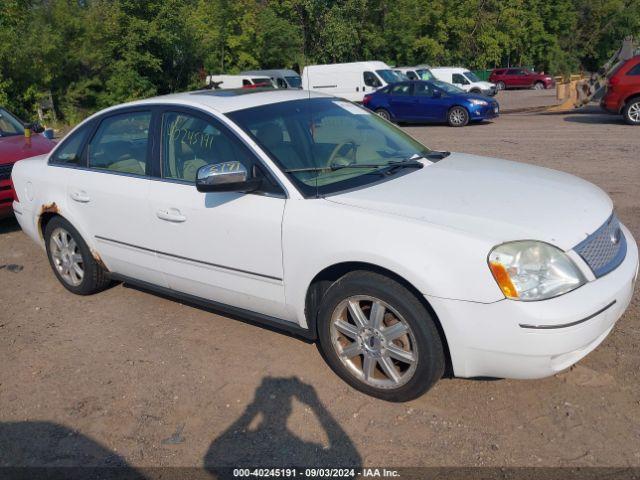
point(190, 142)
point(120, 144)
point(69, 152)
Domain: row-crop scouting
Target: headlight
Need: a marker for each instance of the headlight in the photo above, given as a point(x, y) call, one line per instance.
point(528, 270)
point(481, 103)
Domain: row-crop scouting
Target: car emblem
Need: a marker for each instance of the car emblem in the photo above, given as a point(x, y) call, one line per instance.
point(615, 236)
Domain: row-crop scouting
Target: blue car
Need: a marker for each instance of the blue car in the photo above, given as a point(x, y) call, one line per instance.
point(430, 101)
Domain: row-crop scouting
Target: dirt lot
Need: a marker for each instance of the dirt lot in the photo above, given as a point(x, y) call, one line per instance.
point(127, 376)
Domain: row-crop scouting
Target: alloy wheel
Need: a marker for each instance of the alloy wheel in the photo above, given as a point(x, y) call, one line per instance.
point(384, 114)
point(66, 257)
point(633, 112)
point(457, 116)
point(500, 85)
point(374, 342)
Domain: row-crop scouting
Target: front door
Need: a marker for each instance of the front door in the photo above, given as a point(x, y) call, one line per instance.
point(429, 104)
point(403, 104)
point(220, 246)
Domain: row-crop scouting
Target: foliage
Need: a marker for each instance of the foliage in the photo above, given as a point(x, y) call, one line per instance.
point(89, 54)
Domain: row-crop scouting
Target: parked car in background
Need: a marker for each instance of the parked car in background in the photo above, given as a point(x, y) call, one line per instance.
point(419, 72)
point(281, 78)
point(309, 213)
point(464, 79)
point(622, 94)
point(238, 81)
point(432, 101)
point(349, 80)
point(14, 146)
point(520, 78)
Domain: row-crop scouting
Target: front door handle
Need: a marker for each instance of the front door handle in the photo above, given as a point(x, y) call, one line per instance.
point(171, 215)
point(80, 196)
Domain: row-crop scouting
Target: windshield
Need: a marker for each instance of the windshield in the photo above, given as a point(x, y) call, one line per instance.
point(472, 77)
point(447, 87)
point(424, 74)
point(9, 125)
point(294, 82)
point(391, 76)
point(320, 134)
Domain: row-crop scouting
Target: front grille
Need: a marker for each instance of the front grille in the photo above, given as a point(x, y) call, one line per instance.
point(605, 248)
point(5, 171)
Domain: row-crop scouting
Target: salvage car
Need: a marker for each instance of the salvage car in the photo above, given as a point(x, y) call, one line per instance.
point(520, 78)
point(308, 213)
point(432, 101)
point(14, 146)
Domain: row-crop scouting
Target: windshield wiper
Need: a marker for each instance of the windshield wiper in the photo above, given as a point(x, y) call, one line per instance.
point(436, 155)
point(378, 166)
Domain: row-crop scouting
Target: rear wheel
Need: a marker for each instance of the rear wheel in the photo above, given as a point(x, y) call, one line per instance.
point(379, 338)
point(538, 86)
point(500, 85)
point(384, 114)
point(71, 259)
point(458, 117)
point(631, 111)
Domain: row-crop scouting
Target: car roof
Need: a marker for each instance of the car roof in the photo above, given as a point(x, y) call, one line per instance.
point(229, 100)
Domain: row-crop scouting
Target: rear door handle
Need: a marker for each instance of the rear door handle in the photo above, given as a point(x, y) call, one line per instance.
point(80, 196)
point(171, 215)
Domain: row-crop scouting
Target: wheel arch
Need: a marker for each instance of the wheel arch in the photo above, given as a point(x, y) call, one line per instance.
point(329, 275)
point(628, 99)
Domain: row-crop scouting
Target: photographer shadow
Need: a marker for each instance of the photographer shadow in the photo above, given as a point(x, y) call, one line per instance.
point(260, 437)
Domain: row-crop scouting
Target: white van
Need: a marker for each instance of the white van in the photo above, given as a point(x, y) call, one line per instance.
point(349, 80)
point(464, 79)
point(237, 81)
point(418, 72)
point(281, 77)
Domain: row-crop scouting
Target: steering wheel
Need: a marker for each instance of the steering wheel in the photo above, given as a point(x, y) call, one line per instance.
point(334, 153)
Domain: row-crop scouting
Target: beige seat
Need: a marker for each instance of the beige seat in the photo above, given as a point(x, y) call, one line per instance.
point(271, 136)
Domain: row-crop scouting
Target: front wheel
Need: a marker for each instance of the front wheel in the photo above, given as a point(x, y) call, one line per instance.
point(631, 112)
point(379, 338)
point(538, 86)
point(500, 85)
point(458, 117)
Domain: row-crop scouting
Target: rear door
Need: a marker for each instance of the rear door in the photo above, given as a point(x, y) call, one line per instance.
point(402, 102)
point(221, 246)
point(107, 196)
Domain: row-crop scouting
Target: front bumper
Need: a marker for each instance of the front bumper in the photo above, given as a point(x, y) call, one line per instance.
point(497, 339)
point(485, 112)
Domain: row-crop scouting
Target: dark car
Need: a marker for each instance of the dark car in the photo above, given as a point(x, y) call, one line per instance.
point(14, 146)
point(520, 78)
point(622, 95)
point(430, 101)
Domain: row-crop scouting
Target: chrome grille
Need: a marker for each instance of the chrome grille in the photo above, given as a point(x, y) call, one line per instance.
point(5, 171)
point(605, 248)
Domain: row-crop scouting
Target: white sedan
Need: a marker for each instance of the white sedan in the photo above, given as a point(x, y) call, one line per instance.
point(307, 213)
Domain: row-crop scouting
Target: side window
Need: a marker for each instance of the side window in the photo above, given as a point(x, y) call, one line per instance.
point(411, 75)
point(190, 142)
point(635, 70)
point(400, 89)
point(69, 152)
point(370, 80)
point(246, 83)
point(459, 79)
point(423, 90)
point(120, 144)
point(281, 83)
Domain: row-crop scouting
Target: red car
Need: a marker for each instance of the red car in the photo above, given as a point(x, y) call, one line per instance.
point(622, 95)
point(15, 146)
point(520, 78)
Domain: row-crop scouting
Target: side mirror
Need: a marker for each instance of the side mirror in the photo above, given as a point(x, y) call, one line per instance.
point(35, 127)
point(437, 94)
point(225, 177)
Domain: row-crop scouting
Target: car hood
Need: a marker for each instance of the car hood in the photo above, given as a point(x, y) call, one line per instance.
point(475, 96)
point(17, 147)
point(491, 198)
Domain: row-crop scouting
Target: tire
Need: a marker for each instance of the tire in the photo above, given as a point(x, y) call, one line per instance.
point(63, 243)
point(631, 111)
point(384, 114)
point(500, 85)
point(412, 350)
point(476, 91)
point(458, 117)
point(538, 86)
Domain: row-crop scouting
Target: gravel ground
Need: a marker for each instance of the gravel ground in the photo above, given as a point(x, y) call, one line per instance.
point(128, 376)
